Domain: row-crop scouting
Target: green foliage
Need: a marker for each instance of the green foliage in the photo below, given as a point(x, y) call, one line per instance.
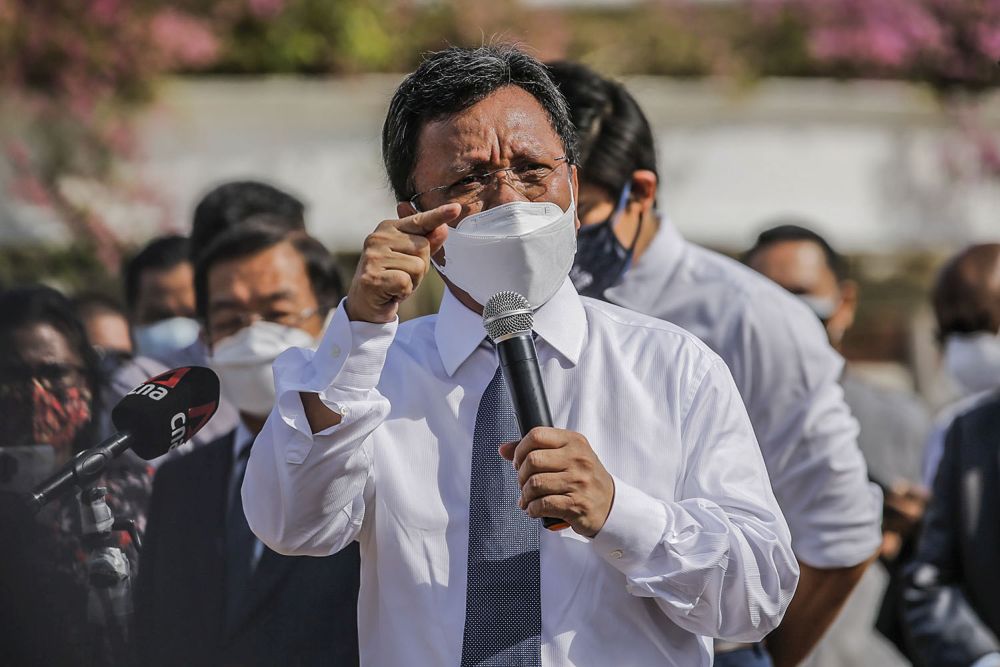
point(71, 268)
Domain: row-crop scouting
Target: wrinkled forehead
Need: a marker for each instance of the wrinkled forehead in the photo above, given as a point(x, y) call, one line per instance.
point(508, 125)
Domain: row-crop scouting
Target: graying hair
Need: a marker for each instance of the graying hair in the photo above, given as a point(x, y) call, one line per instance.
point(450, 81)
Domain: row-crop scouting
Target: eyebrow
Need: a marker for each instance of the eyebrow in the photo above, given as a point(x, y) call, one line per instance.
point(279, 295)
point(523, 153)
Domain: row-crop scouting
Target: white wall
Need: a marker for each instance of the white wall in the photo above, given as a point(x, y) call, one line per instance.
point(864, 160)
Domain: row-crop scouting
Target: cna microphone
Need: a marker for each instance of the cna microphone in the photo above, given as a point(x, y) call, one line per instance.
point(507, 318)
point(158, 415)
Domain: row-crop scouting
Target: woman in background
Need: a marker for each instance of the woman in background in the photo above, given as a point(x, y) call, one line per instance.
point(49, 390)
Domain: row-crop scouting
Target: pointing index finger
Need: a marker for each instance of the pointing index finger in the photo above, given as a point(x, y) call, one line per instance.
point(425, 222)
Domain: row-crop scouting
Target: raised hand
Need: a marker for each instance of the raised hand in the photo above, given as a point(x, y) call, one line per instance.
point(395, 259)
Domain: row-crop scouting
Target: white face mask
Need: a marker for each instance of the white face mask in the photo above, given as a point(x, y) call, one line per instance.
point(243, 362)
point(166, 336)
point(527, 247)
point(973, 360)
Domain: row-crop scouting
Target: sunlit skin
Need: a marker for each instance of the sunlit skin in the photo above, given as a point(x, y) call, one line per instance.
point(271, 282)
point(108, 331)
point(35, 346)
point(559, 473)
point(164, 294)
point(801, 268)
point(596, 204)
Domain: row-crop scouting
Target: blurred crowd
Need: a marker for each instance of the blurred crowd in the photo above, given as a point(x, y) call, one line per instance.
point(249, 282)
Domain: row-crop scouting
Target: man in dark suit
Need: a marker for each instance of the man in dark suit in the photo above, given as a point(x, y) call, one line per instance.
point(209, 593)
point(952, 596)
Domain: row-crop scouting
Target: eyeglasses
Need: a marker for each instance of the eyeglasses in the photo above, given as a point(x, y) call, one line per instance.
point(228, 322)
point(528, 179)
point(52, 376)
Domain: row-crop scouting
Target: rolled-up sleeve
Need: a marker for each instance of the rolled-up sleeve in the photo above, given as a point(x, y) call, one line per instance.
point(305, 493)
point(790, 377)
point(718, 560)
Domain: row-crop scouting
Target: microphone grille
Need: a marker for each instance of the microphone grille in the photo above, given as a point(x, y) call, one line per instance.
point(505, 314)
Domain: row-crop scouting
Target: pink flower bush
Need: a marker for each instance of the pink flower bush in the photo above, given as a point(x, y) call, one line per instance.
point(950, 43)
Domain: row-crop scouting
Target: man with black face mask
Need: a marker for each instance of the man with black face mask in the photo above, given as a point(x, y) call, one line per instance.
point(784, 368)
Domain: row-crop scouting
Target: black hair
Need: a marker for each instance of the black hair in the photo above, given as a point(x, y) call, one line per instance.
point(39, 304)
point(450, 81)
point(160, 254)
point(91, 304)
point(231, 204)
point(793, 232)
point(613, 135)
point(257, 234)
point(966, 294)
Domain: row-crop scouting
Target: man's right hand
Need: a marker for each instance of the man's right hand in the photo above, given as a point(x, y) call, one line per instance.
point(395, 259)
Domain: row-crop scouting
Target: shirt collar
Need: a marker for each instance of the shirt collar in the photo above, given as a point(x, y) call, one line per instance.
point(655, 267)
point(561, 323)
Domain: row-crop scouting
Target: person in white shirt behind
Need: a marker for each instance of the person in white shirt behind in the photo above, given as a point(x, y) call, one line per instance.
point(631, 255)
point(396, 435)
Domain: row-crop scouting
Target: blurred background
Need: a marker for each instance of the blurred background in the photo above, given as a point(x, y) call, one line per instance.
point(876, 122)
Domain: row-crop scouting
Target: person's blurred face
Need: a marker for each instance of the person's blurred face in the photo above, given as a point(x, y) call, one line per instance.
point(596, 205)
point(109, 332)
point(258, 306)
point(44, 394)
point(802, 269)
point(164, 294)
point(271, 285)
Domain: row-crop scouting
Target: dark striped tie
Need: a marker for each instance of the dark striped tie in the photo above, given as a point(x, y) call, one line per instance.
point(503, 615)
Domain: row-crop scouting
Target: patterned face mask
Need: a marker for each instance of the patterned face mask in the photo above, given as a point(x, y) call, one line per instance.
point(37, 415)
point(601, 259)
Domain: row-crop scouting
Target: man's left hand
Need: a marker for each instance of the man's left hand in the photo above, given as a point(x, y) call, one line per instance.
point(561, 477)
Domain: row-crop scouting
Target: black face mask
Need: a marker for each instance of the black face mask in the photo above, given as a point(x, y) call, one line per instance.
point(601, 259)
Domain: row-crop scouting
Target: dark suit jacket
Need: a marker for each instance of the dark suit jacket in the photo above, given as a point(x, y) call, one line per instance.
point(952, 594)
point(298, 610)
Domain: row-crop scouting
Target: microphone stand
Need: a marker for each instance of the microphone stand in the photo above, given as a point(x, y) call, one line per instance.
point(109, 601)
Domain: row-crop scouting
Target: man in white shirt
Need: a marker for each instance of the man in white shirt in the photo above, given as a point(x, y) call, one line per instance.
point(785, 369)
point(393, 435)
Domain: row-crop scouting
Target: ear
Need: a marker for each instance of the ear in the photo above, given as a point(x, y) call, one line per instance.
point(644, 186)
point(404, 209)
point(849, 297)
point(575, 185)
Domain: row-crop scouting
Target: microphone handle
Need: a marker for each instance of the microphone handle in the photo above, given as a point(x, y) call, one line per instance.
point(519, 364)
point(79, 471)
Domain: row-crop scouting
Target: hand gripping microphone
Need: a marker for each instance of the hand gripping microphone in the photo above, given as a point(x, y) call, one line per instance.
point(158, 415)
point(507, 318)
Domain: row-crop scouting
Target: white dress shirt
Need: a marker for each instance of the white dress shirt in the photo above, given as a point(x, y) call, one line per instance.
point(694, 545)
point(788, 376)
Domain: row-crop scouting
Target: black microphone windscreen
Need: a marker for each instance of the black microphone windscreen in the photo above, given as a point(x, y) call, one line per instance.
point(167, 410)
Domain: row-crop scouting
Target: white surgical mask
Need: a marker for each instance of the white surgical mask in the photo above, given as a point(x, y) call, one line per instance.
point(165, 337)
point(527, 247)
point(243, 362)
point(822, 306)
point(973, 360)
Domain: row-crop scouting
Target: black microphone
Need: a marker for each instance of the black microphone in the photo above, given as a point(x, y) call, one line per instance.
point(508, 317)
point(163, 412)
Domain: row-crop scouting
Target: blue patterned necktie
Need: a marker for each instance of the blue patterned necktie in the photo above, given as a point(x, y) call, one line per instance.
point(503, 613)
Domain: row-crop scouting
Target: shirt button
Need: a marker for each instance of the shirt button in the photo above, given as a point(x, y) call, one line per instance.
point(335, 351)
point(344, 410)
point(617, 554)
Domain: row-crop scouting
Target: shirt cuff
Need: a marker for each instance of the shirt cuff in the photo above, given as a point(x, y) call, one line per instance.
point(633, 529)
point(344, 368)
point(351, 354)
point(988, 660)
